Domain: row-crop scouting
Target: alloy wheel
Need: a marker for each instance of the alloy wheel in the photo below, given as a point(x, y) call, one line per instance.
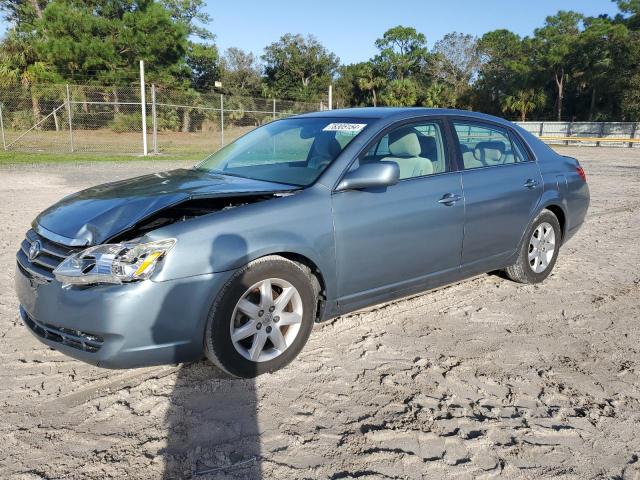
point(542, 246)
point(266, 320)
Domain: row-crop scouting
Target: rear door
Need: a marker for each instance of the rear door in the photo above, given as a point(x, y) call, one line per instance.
point(390, 240)
point(502, 186)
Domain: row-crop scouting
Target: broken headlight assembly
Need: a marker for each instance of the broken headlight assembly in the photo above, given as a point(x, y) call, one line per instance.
point(113, 263)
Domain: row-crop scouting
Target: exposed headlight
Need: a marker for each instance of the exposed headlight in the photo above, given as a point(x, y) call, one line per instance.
point(112, 263)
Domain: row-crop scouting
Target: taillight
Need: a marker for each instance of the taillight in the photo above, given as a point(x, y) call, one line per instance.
point(580, 171)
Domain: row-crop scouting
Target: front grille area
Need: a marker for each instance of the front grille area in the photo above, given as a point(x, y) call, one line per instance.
point(74, 338)
point(50, 256)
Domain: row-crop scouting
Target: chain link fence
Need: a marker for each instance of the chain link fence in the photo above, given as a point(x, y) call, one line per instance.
point(108, 120)
point(100, 119)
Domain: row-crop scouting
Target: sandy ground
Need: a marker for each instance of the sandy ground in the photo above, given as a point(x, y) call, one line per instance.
point(484, 378)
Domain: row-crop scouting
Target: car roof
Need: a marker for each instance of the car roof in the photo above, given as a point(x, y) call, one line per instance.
point(398, 113)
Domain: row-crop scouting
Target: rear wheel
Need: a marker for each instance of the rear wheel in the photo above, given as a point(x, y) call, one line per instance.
point(262, 317)
point(539, 250)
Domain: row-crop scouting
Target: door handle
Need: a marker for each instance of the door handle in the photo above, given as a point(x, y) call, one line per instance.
point(449, 199)
point(530, 183)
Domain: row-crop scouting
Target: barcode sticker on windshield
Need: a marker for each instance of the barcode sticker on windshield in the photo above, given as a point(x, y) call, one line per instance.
point(344, 127)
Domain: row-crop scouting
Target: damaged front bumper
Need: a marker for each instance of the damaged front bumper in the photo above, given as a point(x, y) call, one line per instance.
point(121, 326)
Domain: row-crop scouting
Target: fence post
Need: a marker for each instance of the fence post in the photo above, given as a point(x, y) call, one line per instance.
point(633, 133)
point(600, 133)
point(154, 135)
point(568, 132)
point(541, 129)
point(143, 105)
point(55, 119)
point(4, 141)
point(274, 108)
point(70, 118)
point(221, 120)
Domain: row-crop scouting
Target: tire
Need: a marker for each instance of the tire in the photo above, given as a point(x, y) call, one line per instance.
point(523, 271)
point(235, 357)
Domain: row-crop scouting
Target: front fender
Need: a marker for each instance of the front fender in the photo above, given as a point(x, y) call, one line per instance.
point(300, 224)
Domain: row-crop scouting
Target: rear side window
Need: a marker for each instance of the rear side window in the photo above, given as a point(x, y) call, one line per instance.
point(518, 150)
point(486, 146)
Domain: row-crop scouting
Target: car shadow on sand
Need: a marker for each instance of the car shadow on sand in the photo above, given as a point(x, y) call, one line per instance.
point(212, 427)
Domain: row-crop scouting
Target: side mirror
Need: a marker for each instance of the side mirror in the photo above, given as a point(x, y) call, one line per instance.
point(379, 174)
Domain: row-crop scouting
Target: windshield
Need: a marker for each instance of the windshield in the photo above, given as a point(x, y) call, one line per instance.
point(293, 151)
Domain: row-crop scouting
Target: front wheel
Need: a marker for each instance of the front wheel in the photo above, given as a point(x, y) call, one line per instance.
point(539, 250)
point(262, 317)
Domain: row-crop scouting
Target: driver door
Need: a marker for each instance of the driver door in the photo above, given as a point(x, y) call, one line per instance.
point(394, 240)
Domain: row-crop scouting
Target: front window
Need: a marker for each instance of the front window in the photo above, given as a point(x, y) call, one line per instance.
point(294, 151)
point(418, 150)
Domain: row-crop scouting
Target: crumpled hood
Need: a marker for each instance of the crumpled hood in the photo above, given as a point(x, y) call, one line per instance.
point(94, 215)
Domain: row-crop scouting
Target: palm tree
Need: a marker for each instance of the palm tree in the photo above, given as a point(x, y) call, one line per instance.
point(439, 95)
point(523, 102)
point(370, 81)
point(19, 68)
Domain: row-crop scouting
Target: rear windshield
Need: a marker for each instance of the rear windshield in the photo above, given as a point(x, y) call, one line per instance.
point(294, 151)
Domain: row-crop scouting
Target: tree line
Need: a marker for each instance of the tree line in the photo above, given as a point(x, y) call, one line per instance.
point(572, 67)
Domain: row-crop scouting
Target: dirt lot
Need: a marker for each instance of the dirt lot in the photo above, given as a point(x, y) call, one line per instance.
point(486, 377)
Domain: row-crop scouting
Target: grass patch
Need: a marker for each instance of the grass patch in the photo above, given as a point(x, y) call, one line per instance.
point(22, 158)
point(104, 145)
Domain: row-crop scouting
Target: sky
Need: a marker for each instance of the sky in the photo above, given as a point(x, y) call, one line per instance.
point(349, 28)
